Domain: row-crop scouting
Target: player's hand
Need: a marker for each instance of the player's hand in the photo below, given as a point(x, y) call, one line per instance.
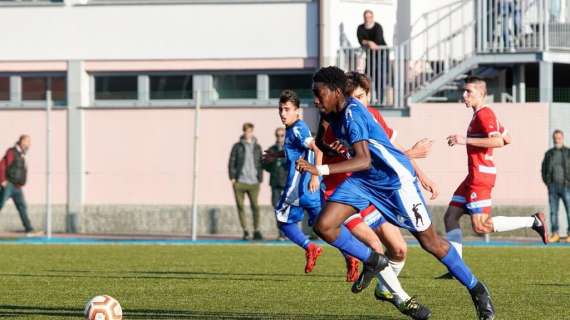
point(429, 186)
point(455, 139)
point(422, 148)
point(269, 156)
point(303, 166)
point(315, 184)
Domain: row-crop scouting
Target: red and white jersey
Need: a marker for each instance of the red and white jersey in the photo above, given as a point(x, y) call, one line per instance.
point(334, 180)
point(482, 170)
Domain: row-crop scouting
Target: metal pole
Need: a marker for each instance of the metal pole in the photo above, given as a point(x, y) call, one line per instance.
point(195, 166)
point(48, 158)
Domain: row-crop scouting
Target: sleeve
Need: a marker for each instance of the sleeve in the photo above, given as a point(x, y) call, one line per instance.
point(356, 127)
point(380, 36)
point(382, 122)
point(231, 163)
point(303, 136)
point(5, 163)
point(544, 167)
point(360, 34)
point(489, 123)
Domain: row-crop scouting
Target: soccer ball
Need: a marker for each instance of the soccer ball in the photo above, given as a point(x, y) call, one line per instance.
point(103, 308)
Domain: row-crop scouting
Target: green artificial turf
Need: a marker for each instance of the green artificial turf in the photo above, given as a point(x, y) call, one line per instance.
point(265, 282)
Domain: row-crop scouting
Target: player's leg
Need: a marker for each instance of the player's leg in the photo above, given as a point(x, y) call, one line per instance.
point(479, 206)
point(330, 227)
point(406, 204)
point(451, 219)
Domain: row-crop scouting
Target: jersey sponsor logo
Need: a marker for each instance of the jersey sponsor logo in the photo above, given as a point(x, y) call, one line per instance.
point(473, 195)
point(417, 214)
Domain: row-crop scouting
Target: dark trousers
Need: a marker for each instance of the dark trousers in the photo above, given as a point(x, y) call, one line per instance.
point(17, 195)
point(252, 191)
point(555, 193)
point(275, 197)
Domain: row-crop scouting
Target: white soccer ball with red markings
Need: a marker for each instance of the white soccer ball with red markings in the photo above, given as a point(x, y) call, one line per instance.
point(103, 308)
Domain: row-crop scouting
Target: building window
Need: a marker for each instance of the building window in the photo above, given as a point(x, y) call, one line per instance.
point(35, 88)
point(235, 86)
point(4, 88)
point(171, 87)
point(116, 87)
point(300, 83)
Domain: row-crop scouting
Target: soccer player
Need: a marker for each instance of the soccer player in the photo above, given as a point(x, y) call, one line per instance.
point(473, 196)
point(302, 190)
point(382, 176)
point(370, 218)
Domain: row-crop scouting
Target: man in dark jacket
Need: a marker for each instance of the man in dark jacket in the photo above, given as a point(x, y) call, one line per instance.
point(370, 35)
point(277, 170)
point(246, 174)
point(556, 176)
point(13, 176)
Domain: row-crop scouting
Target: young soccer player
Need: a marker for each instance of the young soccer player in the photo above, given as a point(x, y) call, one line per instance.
point(302, 190)
point(473, 196)
point(359, 224)
point(382, 176)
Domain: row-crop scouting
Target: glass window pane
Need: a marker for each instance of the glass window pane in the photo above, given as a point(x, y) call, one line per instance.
point(116, 87)
point(34, 88)
point(300, 83)
point(4, 88)
point(236, 86)
point(171, 87)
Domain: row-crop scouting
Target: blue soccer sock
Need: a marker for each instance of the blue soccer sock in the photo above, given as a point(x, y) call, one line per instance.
point(294, 233)
point(459, 269)
point(348, 244)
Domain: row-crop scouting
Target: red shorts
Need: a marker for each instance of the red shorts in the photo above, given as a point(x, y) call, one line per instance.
point(475, 199)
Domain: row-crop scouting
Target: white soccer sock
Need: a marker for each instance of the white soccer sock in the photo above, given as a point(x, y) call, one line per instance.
point(397, 266)
point(389, 279)
point(511, 223)
point(455, 237)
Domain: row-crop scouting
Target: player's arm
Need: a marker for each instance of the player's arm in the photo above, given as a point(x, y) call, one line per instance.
point(361, 161)
point(419, 150)
point(495, 140)
point(315, 184)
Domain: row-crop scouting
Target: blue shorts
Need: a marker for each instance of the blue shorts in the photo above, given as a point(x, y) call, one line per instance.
point(287, 212)
point(404, 207)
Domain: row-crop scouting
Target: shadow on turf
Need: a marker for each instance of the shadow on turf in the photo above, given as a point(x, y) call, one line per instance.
point(21, 311)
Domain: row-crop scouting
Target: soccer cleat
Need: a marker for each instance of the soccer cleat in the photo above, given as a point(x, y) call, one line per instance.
point(554, 238)
point(351, 269)
point(414, 309)
point(376, 263)
point(311, 254)
point(387, 296)
point(540, 226)
point(482, 301)
point(445, 276)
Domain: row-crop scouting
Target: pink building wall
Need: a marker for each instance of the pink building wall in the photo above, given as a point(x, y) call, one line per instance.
point(144, 156)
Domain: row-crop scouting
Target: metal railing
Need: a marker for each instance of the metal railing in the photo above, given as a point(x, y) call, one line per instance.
point(447, 36)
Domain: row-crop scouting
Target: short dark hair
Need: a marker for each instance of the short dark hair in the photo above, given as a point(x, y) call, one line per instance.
point(357, 79)
point(557, 131)
point(332, 77)
point(289, 96)
point(477, 80)
point(247, 125)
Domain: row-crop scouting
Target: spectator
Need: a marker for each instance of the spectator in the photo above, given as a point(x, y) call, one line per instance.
point(246, 174)
point(371, 36)
point(277, 170)
point(556, 176)
point(13, 176)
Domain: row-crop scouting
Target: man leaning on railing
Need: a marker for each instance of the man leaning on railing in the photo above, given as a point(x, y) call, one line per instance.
point(371, 37)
